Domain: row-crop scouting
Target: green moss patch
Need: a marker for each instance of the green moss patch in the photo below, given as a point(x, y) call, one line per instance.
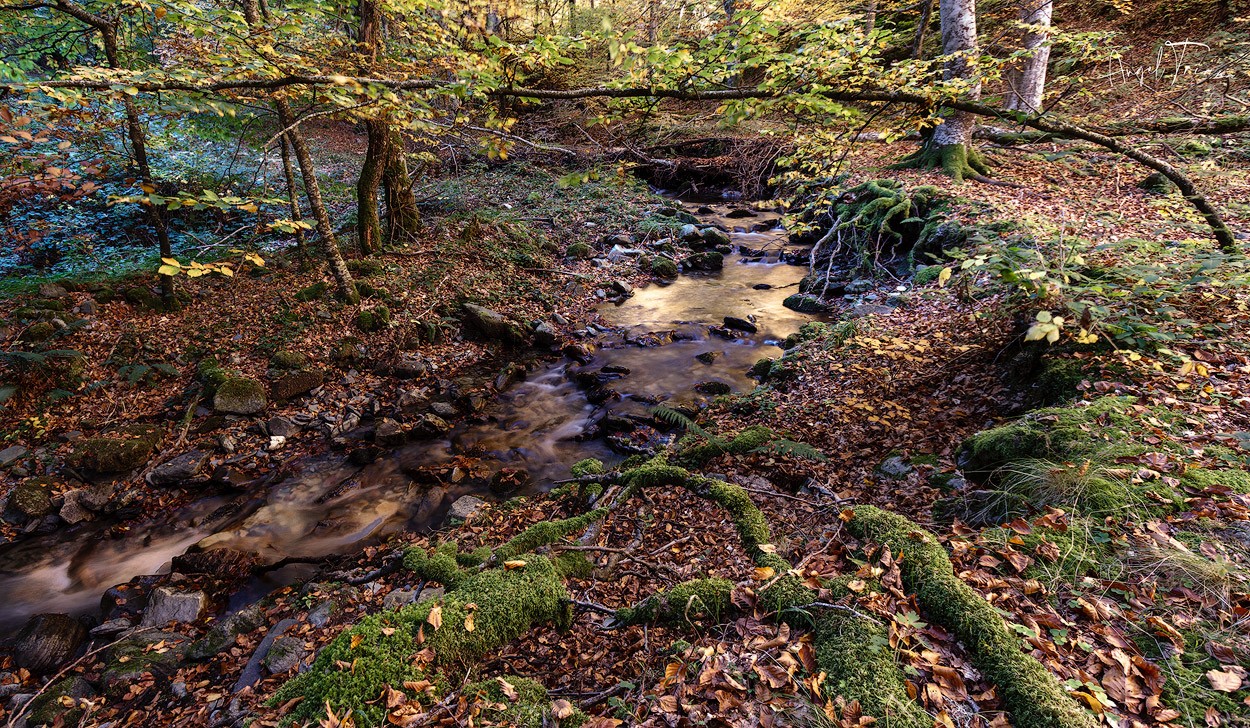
point(687, 601)
point(856, 656)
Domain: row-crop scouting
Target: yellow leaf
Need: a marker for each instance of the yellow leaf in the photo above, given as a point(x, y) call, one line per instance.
point(513, 564)
point(944, 276)
point(768, 548)
point(506, 687)
point(356, 640)
point(435, 617)
point(468, 622)
point(762, 573)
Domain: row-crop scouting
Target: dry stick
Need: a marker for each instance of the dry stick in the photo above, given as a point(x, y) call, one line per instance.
point(53, 680)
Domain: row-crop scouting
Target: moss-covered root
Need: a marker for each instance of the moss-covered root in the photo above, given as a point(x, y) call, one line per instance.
point(1031, 694)
point(515, 701)
point(486, 610)
point(546, 533)
point(859, 665)
point(752, 438)
point(685, 602)
point(959, 161)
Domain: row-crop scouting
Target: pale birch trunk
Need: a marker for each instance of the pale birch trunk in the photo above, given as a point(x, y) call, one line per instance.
point(1027, 83)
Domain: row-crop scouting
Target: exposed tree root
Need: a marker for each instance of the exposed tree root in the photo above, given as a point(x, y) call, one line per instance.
point(1031, 694)
point(959, 161)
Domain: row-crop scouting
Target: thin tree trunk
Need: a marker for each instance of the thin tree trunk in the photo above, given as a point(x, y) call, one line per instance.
point(329, 242)
point(922, 29)
point(870, 17)
point(402, 216)
point(1027, 83)
point(293, 197)
point(139, 150)
point(368, 221)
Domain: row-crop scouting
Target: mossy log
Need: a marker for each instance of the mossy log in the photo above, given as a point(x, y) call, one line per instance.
point(1031, 694)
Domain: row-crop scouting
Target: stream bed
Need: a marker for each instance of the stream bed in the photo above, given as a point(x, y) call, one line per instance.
point(654, 347)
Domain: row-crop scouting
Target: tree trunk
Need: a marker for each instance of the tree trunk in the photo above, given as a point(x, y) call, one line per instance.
point(292, 189)
point(950, 145)
point(329, 243)
point(1027, 83)
point(139, 150)
point(922, 29)
point(402, 216)
point(368, 221)
point(870, 16)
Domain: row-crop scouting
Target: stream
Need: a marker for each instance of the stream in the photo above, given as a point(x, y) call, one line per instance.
point(561, 413)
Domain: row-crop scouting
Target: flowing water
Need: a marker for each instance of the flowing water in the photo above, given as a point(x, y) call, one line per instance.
point(541, 425)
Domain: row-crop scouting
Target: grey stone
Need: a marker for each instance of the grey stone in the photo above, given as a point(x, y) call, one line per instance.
point(178, 469)
point(740, 324)
point(398, 598)
point(296, 383)
point(545, 335)
point(12, 453)
point(128, 659)
point(72, 511)
point(431, 592)
point(868, 309)
point(443, 409)
point(466, 507)
point(860, 285)
point(410, 366)
point(320, 615)
point(689, 233)
point(167, 605)
point(112, 627)
point(895, 467)
point(285, 654)
point(622, 288)
point(52, 290)
point(562, 321)
point(223, 632)
point(282, 427)
point(389, 433)
point(89, 307)
point(617, 253)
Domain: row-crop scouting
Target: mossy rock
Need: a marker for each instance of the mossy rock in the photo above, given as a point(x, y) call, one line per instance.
point(805, 303)
point(925, 275)
point(373, 319)
point(662, 267)
point(293, 384)
point(707, 261)
point(240, 396)
point(63, 698)
point(315, 292)
point(119, 450)
point(349, 351)
point(366, 267)
point(129, 659)
point(286, 359)
point(143, 297)
point(33, 497)
point(1156, 183)
point(491, 325)
point(39, 331)
point(579, 251)
point(210, 372)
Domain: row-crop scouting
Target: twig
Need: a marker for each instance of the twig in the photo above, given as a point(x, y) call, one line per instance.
point(590, 606)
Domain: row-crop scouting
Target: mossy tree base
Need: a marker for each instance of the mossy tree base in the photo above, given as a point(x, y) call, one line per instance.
point(959, 161)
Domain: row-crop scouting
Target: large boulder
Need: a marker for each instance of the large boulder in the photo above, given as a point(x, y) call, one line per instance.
point(298, 382)
point(63, 699)
point(48, 641)
point(491, 325)
point(240, 396)
point(118, 450)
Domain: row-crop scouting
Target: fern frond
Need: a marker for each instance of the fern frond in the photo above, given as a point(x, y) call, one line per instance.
point(792, 448)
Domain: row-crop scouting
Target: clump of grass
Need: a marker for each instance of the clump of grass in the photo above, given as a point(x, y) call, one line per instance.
point(1175, 566)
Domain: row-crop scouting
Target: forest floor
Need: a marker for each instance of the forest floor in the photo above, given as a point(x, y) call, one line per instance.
point(1124, 572)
